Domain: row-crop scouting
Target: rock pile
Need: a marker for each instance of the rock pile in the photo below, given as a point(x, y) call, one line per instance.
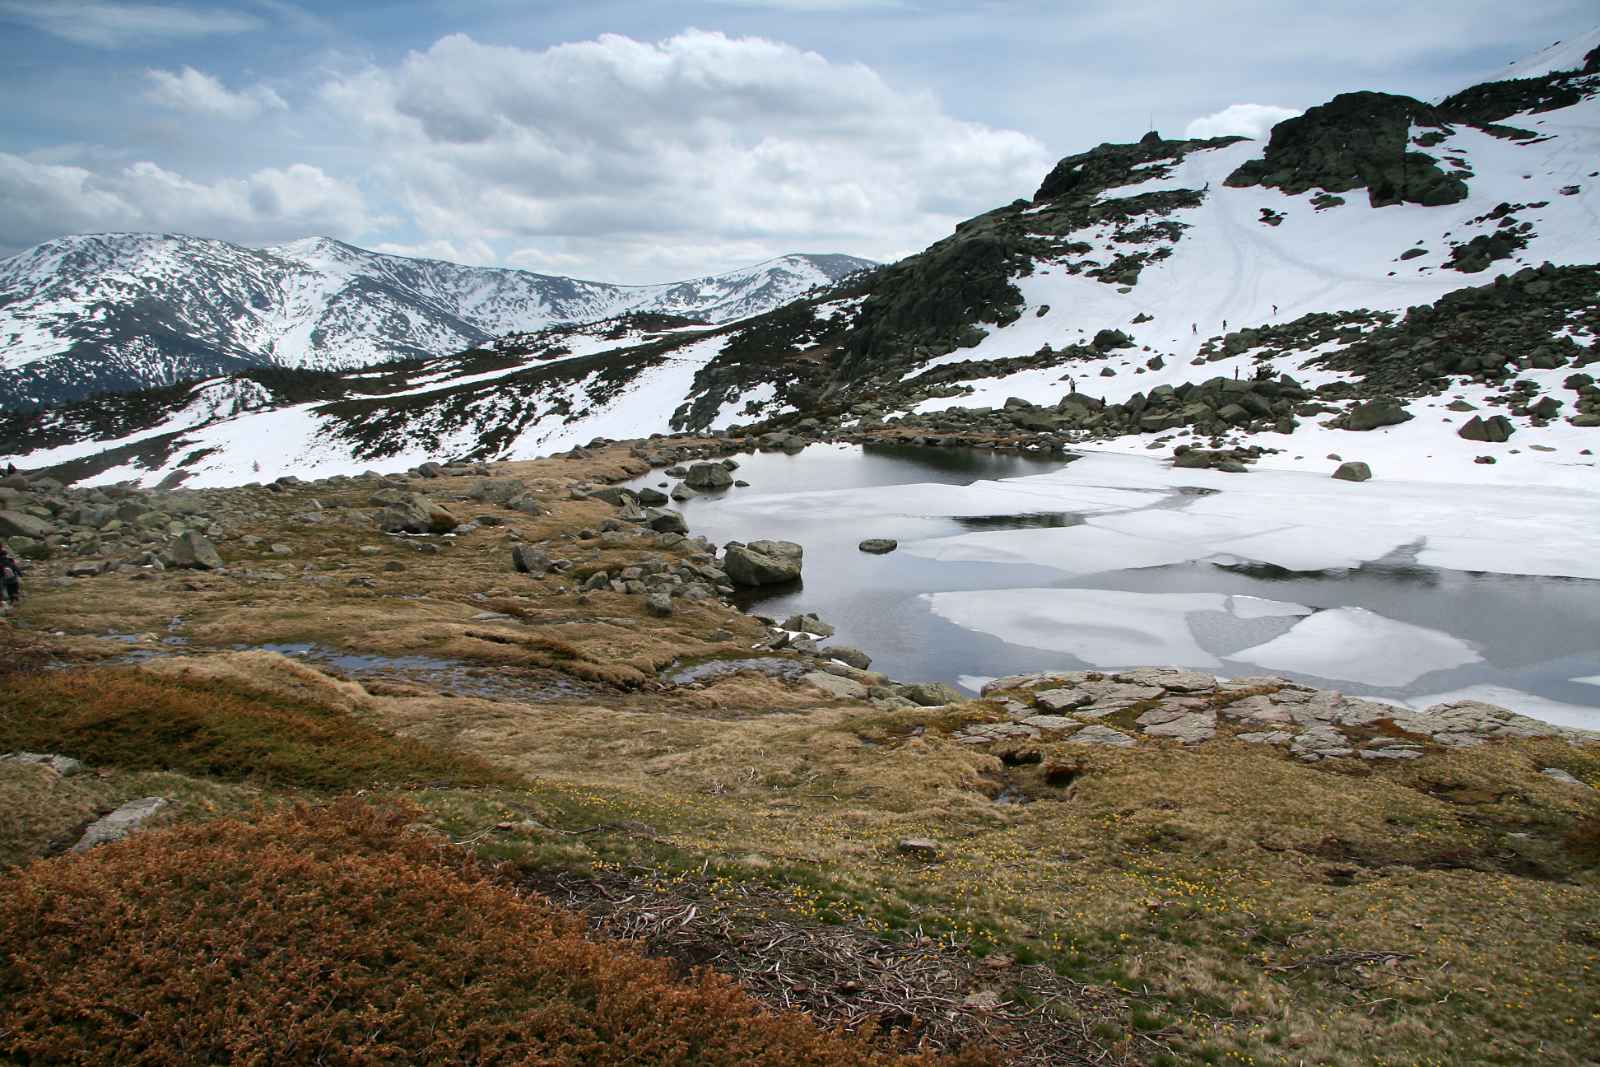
point(1191, 707)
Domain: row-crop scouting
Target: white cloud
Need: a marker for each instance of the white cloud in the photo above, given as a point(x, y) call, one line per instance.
point(199, 93)
point(103, 24)
point(39, 201)
point(598, 155)
point(1240, 120)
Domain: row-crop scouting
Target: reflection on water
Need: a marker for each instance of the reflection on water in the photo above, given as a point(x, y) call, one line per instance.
point(1534, 634)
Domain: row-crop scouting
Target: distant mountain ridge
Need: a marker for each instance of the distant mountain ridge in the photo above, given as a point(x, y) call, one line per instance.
point(1417, 281)
point(97, 313)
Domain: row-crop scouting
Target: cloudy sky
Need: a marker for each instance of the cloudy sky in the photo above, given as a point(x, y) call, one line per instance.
point(648, 140)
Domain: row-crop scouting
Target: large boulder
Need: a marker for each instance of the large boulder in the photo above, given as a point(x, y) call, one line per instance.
point(709, 476)
point(1493, 430)
point(1353, 471)
point(194, 550)
point(1376, 413)
point(529, 560)
point(763, 562)
point(21, 524)
point(416, 514)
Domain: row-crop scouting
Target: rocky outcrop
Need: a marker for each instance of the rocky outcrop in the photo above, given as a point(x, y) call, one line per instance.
point(1190, 707)
point(1356, 141)
point(763, 562)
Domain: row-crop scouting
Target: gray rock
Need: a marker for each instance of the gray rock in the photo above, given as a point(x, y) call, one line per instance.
point(708, 476)
point(808, 623)
point(879, 546)
point(1050, 723)
point(20, 524)
point(932, 694)
point(918, 846)
point(193, 550)
point(1062, 699)
point(416, 514)
point(652, 498)
point(845, 654)
point(665, 520)
point(1493, 430)
point(659, 604)
point(1353, 471)
point(65, 766)
point(1098, 734)
point(1555, 773)
point(681, 492)
point(1168, 678)
point(529, 560)
point(1185, 728)
point(833, 685)
point(764, 562)
point(1275, 737)
point(1321, 742)
point(120, 823)
point(1375, 414)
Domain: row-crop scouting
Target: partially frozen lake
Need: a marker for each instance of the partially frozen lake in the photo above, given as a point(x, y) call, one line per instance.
point(1414, 592)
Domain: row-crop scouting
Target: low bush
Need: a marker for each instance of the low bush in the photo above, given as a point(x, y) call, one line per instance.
point(335, 936)
point(123, 718)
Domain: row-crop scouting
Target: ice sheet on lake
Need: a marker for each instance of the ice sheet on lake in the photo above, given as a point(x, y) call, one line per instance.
point(1535, 707)
point(1255, 607)
point(1593, 679)
point(1298, 521)
point(1101, 627)
point(1357, 645)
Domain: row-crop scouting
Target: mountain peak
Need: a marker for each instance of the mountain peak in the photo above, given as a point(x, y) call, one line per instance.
point(91, 313)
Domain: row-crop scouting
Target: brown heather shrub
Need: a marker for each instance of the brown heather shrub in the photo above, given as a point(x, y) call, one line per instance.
point(124, 718)
point(333, 936)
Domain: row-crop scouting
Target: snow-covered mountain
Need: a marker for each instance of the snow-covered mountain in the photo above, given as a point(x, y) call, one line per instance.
point(88, 314)
point(1377, 274)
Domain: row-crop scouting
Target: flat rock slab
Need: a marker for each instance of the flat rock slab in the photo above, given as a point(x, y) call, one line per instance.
point(120, 823)
point(1052, 723)
point(1166, 678)
point(1097, 734)
point(1188, 729)
point(1319, 743)
point(1062, 699)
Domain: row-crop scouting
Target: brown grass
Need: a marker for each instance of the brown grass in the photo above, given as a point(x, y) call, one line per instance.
point(335, 936)
point(127, 719)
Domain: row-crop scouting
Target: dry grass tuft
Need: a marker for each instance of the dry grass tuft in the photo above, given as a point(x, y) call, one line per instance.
point(335, 935)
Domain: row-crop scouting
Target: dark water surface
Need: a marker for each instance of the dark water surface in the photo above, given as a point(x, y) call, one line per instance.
point(1534, 634)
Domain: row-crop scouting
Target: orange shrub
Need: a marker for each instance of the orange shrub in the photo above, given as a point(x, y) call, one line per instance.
point(333, 936)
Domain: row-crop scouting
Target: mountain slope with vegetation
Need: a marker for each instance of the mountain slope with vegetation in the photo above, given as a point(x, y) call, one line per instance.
point(1113, 305)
